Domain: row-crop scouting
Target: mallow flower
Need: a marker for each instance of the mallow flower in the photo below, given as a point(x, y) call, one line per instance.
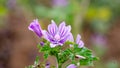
point(78, 41)
point(35, 27)
point(72, 66)
point(58, 35)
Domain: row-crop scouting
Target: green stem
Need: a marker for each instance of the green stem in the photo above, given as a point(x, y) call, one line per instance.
point(59, 65)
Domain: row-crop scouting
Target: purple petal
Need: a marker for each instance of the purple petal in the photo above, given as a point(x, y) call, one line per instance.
point(52, 28)
point(72, 66)
point(62, 28)
point(80, 44)
point(64, 39)
point(78, 38)
point(45, 34)
point(67, 31)
point(69, 28)
point(49, 37)
point(79, 41)
point(70, 38)
point(64, 32)
point(35, 27)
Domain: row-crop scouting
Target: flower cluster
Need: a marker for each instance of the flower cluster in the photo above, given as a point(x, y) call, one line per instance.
point(55, 37)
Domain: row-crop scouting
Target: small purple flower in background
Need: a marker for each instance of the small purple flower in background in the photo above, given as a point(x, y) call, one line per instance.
point(79, 41)
point(60, 3)
point(35, 27)
point(58, 35)
point(98, 39)
point(72, 66)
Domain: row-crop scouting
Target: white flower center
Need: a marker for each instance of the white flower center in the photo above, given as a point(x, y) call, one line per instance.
point(52, 45)
point(57, 37)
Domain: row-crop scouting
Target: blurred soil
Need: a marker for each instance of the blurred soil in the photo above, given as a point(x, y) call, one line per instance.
point(17, 43)
point(113, 44)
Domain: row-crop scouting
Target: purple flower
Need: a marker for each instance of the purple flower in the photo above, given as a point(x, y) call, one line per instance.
point(98, 39)
point(42, 43)
point(72, 66)
point(47, 65)
point(58, 35)
point(35, 27)
point(60, 3)
point(79, 41)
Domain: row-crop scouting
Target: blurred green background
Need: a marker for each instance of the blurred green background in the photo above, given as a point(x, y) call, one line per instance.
point(97, 21)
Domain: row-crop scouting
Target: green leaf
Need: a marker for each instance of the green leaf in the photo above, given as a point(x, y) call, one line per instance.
point(64, 55)
point(45, 48)
point(72, 56)
point(85, 52)
point(87, 62)
point(54, 51)
point(95, 58)
point(46, 55)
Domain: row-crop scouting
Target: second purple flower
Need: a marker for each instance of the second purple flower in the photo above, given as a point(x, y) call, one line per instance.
point(58, 35)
